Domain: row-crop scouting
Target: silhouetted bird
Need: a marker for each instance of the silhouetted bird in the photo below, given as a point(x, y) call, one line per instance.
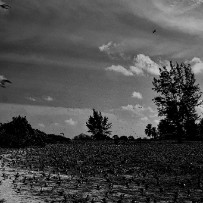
point(3, 81)
point(154, 31)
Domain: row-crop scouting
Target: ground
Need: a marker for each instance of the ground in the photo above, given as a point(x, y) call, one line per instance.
point(103, 172)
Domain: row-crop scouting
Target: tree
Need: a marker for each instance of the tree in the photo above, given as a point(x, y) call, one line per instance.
point(151, 131)
point(178, 96)
point(166, 129)
point(123, 138)
point(82, 136)
point(115, 137)
point(131, 138)
point(148, 130)
point(98, 126)
point(154, 133)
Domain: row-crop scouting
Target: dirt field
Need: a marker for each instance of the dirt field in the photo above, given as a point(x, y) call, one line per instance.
point(103, 172)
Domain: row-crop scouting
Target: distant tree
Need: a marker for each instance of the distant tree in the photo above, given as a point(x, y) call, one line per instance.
point(178, 96)
point(115, 137)
point(98, 126)
point(154, 133)
point(151, 131)
point(148, 130)
point(131, 138)
point(123, 137)
point(82, 136)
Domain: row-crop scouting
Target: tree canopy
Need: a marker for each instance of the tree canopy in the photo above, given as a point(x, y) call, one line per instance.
point(98, 126)
point(178, 96)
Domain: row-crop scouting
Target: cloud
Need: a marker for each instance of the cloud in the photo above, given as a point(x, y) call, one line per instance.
point(114, 50)
point(71, 122)
point(185, 16)
point(144, 118)
point(137, 95)
point(41, 125)
point(136, 109)
point(136, 70)
point(196, 65)
point(107, 47)
point(150, 109)
point(48, 98)
point(119, 69)
point(156, 121)
point(145, 63)
point(141, 65)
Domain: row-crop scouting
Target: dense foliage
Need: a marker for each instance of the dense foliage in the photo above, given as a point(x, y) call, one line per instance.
point(19, 133)
point(98, 126)
point(178, 96)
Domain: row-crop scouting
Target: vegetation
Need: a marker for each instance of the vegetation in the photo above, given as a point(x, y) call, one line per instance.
point(19, 133)
point(151, 131)
point(98, 126)
point(178, 96)
point(102, 172)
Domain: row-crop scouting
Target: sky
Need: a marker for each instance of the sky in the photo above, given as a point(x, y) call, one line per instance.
point(66, 57)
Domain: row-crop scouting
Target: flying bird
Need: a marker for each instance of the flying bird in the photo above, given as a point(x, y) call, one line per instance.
point(3, 81)
point(4, 5)
point(154, 31)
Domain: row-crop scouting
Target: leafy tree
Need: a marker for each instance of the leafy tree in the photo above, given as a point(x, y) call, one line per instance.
point(148, 130)
point(154, 133)
point(178, 96)
point(123, 137)
point(98, 126)
point(82, 136)
point(166, 129)
point(115, 137)
point(131, 138)
point(151, 131)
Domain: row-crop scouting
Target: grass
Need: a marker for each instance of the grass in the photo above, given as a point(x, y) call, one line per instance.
point(105, 172)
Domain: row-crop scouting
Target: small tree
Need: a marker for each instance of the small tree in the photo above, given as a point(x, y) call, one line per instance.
point(98, 126)
point(131, 138)
point(148, 130)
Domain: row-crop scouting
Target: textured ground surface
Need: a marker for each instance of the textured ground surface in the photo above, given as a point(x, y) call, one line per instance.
point(103, 173)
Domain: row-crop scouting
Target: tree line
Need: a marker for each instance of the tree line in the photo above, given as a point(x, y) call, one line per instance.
point(178, 95)
point(19, 133)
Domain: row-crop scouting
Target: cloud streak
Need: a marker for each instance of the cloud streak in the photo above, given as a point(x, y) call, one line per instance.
point(186, 16)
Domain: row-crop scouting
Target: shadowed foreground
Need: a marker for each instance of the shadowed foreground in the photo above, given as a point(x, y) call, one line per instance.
point(105, 172)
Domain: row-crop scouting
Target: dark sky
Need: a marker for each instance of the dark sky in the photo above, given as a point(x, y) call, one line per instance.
point(66, 57)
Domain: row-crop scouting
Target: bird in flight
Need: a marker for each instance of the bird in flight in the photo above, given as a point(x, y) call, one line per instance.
point(154, 31)
point(3, 81)
point(4, 5)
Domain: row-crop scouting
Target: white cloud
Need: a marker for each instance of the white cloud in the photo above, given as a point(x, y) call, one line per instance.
point(138, 110)
point(106, 47)
point(145, 63)
point(114, 50)
point(48, 98)
point(134, 109)
point(196, 65)
point(71, 122)
point(137, 95)
point(120, 69)
point(136, 70)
